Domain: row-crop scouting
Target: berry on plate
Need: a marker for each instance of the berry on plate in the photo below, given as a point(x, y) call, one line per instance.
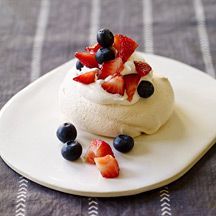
point(125, 46)
point(66, 132)
point(142, 68)
point(105, 37)
point(71, 150)
point(97, 148)
point(105, 54)
point(87, 59)
point(108, 166)
point(114, 86)
point(87, 78)
point(145, 89)
point(79, 65)
point(123, 143)
point(130, 83)
point(112, 67)
point(94, 48)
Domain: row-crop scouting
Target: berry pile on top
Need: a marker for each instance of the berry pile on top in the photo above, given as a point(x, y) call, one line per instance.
point(106, 59)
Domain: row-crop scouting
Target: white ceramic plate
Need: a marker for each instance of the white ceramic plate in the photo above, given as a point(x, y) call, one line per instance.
point(28, 123)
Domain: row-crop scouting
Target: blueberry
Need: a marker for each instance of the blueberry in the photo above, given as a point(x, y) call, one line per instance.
point(105, 37)
point(123, 143)
point(79, 65)
point(105, 54)
point(145, 89)
point(71, 150)
point(66, 132)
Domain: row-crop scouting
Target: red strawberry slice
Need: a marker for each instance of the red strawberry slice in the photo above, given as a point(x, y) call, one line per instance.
point(87, 78)
point(131, 82)
point(114, 85)
point(94, 48)
point(87, 59)
point(142, 68)
point(125, 46)
point(108, 166)
point(97, 148)
point(111, 68)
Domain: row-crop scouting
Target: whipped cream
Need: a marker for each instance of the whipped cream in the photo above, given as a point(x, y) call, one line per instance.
point(95, 93)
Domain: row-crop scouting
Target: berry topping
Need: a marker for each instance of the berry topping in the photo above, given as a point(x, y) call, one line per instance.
point(87, 59)
point(105, 37)
point(125, 46)
point(71, 150)
point(123, 143)
point(105, 54)
point(79, 65)
point(97, 148)
point(87, 78)
point(130, 83)
point(145, 89)
point(115, 85)
point(94, 48)
point(111, 68)
point(108, 166)
point(142, 68)
point(66, 132)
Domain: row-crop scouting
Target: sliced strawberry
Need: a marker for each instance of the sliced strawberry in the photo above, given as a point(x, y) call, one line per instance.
point(111, 67)
point(87, 78)
point(87, 59)
point(94, 48)
point(125, 46)
point(131, 82)
point(142, 68)
point(108, 166)
point(97, 148)
point(114, 85)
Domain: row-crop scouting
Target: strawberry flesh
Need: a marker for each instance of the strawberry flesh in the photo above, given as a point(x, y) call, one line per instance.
point(97, 148)
point(87, 59)
point(108, 166)
point(142, 68)
point(87, 78)
point(114, 86)
point(125, 46)
point(94, 48)
point(131, 82)
point(111, 68)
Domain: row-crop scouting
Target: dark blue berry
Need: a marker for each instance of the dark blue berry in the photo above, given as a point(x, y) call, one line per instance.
point(79, 65)
point(145, 89)
point(105, 54)
point(66, 132)
point(123, 143)
point(71, 150)
point(105, 37)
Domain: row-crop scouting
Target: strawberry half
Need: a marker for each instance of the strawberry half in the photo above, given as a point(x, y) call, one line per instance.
point(94, 48)
point(97, 148)
point(108, 166)
point(142, 68)
point(87, 59)
point(114, 85)
point(125, 46)
point(87, 78)
point(131, 82)
point(111, 68)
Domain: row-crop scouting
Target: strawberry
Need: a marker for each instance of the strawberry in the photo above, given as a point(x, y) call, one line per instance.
point(87, 59)
point(94, 48)
point(125, 46)
point(114, 85)
point(108, 166)
point(142, 68)
point(131, 82)
point(87, 78)
point(111, 67)
point(97, 148)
